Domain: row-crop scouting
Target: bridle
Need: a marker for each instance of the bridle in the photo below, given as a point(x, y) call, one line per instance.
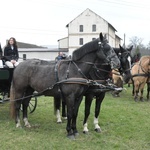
point(70, 61)
point(124, 55)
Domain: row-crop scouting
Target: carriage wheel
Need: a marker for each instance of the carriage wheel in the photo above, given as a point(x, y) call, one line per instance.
point(4, 97)
point(1, 98)
point(32, 104)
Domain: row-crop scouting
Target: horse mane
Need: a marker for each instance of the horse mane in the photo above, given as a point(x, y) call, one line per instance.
point(145, 57)
point(85, 49)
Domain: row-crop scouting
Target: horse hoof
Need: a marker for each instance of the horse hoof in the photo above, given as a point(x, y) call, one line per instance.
point(141, 99)
point(71, 137)
point(65, 118)
point(18, 126)
point(98, 130)
point(76, 134)
point(59, 122)
point(135, 99)
point(28, 126)
point(85, 132)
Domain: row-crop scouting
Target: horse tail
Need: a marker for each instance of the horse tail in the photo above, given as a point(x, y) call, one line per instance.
point(12, 102)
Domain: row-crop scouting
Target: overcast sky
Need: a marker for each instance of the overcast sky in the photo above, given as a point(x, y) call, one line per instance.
point(43, 22)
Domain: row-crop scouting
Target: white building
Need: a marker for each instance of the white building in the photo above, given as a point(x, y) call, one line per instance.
point(29, 51)
point(86, 27)
point(39, 53)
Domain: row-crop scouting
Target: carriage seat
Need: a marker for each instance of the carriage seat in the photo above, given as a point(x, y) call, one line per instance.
point(1, 64)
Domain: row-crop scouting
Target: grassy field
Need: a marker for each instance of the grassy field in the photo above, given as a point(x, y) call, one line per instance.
point(125, 125)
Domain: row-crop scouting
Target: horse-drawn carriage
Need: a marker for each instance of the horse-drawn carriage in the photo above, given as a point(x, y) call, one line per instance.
point(6, 75)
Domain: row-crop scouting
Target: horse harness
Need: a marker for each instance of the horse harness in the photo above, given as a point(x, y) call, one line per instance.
point(67, 79)
point(145, 74)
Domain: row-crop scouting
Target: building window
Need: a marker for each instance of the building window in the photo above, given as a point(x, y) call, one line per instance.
point(81, 28)
point(93, 39)
point(24, 57)
point(81, 41)
point(93, 27)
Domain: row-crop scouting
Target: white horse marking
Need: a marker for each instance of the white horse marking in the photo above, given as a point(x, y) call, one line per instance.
point(96, 123)
point(26, 123)
point(129, 60)
point(18, 125)
point(58, 116)
point(85, 129)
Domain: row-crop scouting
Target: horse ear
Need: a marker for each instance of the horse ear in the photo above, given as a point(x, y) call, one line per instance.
point(101, 36)
point(120, 46)
point(130, 48)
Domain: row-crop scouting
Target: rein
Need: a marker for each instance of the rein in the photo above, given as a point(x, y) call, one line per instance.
point(81, 81)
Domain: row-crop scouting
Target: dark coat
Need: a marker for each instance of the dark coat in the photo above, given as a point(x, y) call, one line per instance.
point(10, 54)
point(1, 52)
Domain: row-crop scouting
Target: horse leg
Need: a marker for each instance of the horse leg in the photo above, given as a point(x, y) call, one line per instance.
point(88, 101)
point(25, 104)
point(17, 110)
point(64, 115)
point(98, 103)
point(70, 108)
point(75, 114)
point(148, 90)
point(133, 88)
point(136, 90)
point(141, 92)
point(57, 103)
point(128, 84)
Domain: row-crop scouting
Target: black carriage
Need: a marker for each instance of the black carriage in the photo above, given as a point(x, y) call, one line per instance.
point(6, 75)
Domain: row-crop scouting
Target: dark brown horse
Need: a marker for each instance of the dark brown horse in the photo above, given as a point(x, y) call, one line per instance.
point(100, 72)
point(68, 77)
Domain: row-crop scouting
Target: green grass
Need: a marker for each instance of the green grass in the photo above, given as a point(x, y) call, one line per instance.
point(125, 125)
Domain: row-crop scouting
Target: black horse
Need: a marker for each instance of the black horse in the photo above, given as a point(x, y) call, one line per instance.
point(124, 54)
point(68, 77)
point(100, 72)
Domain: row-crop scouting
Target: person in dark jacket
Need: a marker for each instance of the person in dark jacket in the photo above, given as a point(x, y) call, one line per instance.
point(1, 52)
point(60, 56)
point(1, 59)
point(11, 53)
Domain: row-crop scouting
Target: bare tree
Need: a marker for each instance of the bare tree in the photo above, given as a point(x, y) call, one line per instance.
point(148, 46)
point(136, 42)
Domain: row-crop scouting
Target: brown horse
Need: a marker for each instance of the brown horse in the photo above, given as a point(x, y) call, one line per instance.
point(140, 76)
point(117, 80)
point(148, 87)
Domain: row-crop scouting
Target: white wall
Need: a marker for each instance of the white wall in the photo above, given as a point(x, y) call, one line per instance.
point(87, 19)
point(46, 55)
point(63, 43)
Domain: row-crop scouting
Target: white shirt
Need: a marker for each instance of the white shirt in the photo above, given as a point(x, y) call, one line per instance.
point(12, 47)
